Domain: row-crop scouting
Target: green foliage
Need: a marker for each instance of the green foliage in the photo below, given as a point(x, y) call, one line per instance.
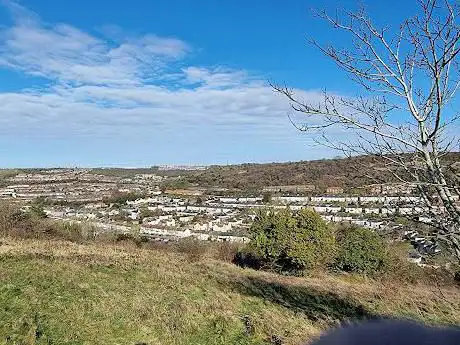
point(120, 198)
point(401, 220)
point(36, 209)
point(145, 212)
point(69, 230)
point(175, 183)
point(362, 251)
point(226, 251)
point(292, 242)
point(267, 197)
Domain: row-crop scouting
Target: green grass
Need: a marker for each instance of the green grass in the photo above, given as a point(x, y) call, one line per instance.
point(54, 292)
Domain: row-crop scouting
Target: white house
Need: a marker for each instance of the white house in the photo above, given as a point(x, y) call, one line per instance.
point(371, 210)
point(371, 199)
point(354, 210)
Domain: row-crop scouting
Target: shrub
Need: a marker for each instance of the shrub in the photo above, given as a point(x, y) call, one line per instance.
point(124, 237)
point(247, 258)
point(16, 223)
point(290, 241)
point(10, 215)
point(120, 198)
point(36, 210)
point(69, 231)
point(33, 224)
point(362, 251)
point(226, 251)
point(399, 269)
point(267, 198)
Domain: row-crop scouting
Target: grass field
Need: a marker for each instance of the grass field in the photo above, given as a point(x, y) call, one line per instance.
point(54, 292)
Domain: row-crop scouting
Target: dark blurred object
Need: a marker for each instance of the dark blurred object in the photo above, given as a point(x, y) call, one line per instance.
point(390, 332)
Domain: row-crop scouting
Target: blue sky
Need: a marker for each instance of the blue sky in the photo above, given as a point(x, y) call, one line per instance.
point(140, 83)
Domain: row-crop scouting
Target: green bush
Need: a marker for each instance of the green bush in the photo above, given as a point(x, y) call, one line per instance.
point(36, 209)
point(292, 241)
point(120, 198)
point(267, 198)
point(362, 251)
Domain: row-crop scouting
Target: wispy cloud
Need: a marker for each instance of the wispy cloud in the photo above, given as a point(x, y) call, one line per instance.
point(216, 78)
point(68, 55)
point(118, 82)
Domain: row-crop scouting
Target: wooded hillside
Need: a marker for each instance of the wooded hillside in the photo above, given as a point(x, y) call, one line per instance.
point(349, 173)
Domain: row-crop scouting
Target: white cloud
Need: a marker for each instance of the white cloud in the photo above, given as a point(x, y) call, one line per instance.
point(67, 54)
point(127, 84)
point(215, 78)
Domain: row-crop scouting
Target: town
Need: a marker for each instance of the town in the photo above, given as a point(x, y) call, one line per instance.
point(141, 203)
point(229, 172)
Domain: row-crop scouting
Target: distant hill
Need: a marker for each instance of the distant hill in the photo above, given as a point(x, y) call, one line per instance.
point(348, 173)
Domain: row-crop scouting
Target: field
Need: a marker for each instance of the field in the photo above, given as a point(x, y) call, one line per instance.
point(57, 292)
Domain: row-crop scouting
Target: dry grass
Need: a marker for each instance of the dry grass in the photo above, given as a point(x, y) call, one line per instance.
point(67, 293)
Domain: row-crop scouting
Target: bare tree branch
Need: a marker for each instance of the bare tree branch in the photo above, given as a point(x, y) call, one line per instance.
point(409, 76)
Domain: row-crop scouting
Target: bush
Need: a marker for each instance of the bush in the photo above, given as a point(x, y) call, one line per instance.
point(10, 216)
point(267, 198)
point(400, 269)
point(120, 198)
point(32, 224)
point(362, 251)
point(16, 223)
point(292, 242)
point(226, 251)
point(246, 258)
point(68, 230)
point(36, 209)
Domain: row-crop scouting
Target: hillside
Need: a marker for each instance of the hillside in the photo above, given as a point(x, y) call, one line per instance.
point(349, 173)
point(54, 292)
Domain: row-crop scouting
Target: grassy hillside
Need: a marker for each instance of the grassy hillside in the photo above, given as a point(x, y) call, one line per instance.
point(54, 292)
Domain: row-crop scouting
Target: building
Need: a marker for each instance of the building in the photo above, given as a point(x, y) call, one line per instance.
point(334, 190)
point(292, 189)
point(189, 192)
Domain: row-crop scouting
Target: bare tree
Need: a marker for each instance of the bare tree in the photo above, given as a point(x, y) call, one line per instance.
point(405, 115)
